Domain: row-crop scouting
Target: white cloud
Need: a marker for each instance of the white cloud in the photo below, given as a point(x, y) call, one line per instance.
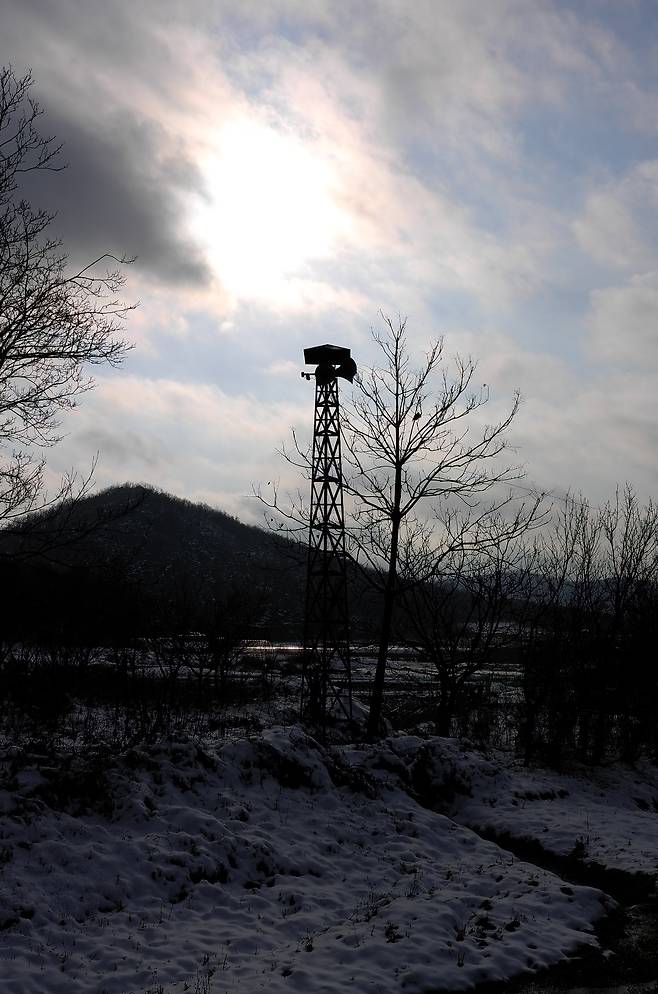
point(283, 367)
point(618, 225)
point(623, 323)
point(192, 439)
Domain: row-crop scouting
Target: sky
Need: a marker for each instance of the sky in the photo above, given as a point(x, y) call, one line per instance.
point(284, 171)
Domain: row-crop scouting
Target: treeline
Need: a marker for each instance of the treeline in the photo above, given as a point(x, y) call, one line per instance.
point(109, 605)
point(590, 676)
point(123, 676)
point(569, 618)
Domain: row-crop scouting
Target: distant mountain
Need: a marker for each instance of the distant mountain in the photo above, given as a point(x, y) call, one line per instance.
point(139, 545)
point(160, 534)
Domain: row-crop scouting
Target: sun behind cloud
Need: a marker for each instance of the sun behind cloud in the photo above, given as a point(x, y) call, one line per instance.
point(270, 209)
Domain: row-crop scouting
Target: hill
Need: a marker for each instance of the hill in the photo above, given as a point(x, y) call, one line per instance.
point(132, 557)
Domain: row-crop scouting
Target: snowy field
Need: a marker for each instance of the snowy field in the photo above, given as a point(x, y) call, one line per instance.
point(271, 864)
point(604, 815)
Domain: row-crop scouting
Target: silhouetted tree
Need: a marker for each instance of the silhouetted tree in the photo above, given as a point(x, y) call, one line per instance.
point(53, 321)
point(412, 440)
point(229, 619)
point(463, 617)
point(589, 682)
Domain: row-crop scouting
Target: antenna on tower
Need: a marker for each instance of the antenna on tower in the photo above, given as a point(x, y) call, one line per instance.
point(326, 673)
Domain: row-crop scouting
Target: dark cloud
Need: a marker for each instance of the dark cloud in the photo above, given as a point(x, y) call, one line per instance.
point(121, 447)
point(121, 192)
point(128, 175)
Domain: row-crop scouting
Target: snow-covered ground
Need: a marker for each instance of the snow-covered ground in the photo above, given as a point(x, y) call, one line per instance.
point(605, 815)
point(271, 864)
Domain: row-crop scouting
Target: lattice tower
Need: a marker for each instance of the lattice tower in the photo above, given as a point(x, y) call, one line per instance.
point(327, 678)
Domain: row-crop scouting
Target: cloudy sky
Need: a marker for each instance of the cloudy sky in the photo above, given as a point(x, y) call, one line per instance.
point(283, 170)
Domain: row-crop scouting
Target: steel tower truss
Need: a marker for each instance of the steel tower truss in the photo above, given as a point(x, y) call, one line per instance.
point(327, 682)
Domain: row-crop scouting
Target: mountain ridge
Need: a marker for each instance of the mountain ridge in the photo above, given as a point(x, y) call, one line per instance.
point(171, 553)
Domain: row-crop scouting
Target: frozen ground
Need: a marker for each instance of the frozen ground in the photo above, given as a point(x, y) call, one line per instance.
point(270, 864)
point(606, 815)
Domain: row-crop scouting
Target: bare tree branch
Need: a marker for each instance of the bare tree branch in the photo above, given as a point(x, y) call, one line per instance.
point(53, 324)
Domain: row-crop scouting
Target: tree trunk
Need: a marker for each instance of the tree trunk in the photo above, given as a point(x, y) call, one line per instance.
point(444, 712)
point(377, 697)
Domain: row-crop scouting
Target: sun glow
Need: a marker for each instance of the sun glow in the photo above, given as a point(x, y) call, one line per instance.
point(270, 210)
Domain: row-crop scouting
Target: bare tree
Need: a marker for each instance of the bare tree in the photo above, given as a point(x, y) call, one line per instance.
point(228, 617)
point(630, 542)
point(53, 322)
point(588, 677)
point(465, 615)
point(412, 440)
